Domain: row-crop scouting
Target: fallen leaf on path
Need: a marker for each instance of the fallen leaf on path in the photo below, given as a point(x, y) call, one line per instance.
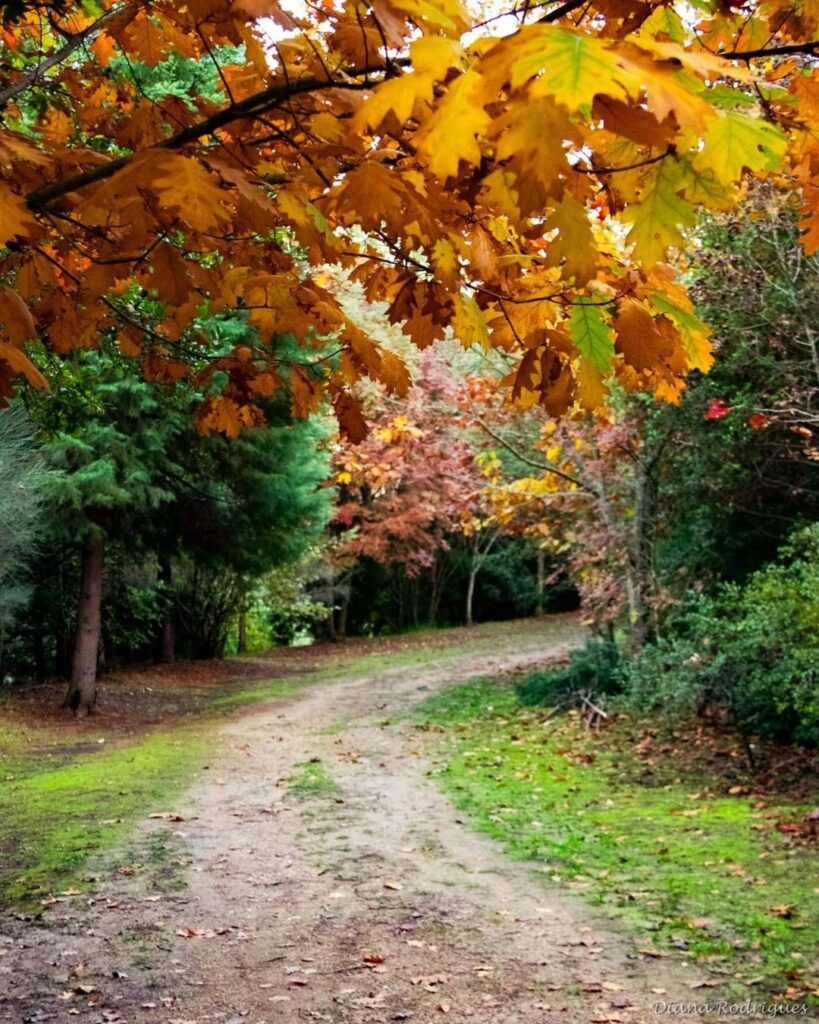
point(393, 885)
point(443, 1007)
point(704, 984)
point(373, 958)
point(430, 982)
point(204, 933)
point(785, 910)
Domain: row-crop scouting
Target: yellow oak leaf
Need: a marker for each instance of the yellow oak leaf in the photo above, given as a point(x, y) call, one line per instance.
point(658, 219)
point(16, 322)
point(445, 261)
point(182, 184)
point(394, 374)
point(436, 55)
point(451, 133)
point(20, 364)
point(641, 339)
point(573, 245)
point(591, 390)
point(16, 221)
point(702, 186)
point(447, 15)
point(693, 332)
point(533, 133)
point(469, 323)
point(396, 96)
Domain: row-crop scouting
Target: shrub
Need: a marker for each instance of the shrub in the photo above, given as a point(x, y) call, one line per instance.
point(593, 671)
point(751, 651)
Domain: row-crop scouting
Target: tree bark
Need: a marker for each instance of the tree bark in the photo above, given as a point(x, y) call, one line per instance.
point(341, 628)
point(241, 641)
point(82, 693)
point(39, 653)
point(541, 580)
point(470, 596)
point(167, 633)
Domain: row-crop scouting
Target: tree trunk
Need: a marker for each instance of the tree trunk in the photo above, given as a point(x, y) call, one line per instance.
point(82, 693)
point(639, 584)
point(241, 642)
point(470, 596)
point(167, 633)
point(39, 653)
point(167, 639)
point(341, 628)
point(541, 580)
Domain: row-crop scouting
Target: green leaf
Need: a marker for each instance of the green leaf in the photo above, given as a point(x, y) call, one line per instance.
point(572, 66)
point(735, 141)
point(657, 220)
point(592, 334)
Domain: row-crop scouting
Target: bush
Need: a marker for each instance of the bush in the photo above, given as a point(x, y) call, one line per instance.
point(594, 671)
point(751, 651)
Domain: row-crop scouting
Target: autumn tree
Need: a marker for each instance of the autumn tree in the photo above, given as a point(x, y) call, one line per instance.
point(518, 176)
point(413, 484)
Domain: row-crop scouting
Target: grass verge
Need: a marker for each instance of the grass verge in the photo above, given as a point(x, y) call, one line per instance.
point(693, 872)
point(54, 817)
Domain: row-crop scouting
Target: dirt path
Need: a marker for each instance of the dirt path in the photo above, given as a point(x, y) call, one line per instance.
point(369, 902)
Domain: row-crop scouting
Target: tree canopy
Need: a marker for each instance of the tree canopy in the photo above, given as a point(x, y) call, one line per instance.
point(516, 176)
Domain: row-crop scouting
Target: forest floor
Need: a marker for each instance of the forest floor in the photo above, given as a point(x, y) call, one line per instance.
point(294, 860)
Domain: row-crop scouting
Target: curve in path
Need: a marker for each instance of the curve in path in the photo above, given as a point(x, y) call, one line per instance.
point(369, 902)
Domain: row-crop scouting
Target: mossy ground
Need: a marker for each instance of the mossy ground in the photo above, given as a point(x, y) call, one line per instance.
point(55, 816)
point(693, 872)
point(311, 779)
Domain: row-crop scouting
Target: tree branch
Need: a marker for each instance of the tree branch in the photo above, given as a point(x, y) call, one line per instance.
point(772, 51)
point(33, 75)
point(545, 467)
point(250, 107)
point(668, 151)
point(559, 12)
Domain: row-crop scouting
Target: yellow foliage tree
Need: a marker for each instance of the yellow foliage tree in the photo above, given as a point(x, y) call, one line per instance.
point(519, 177)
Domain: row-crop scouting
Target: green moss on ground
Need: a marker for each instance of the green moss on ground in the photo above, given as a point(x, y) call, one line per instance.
point(311, 779)
point(55, 817)
point(694, 873)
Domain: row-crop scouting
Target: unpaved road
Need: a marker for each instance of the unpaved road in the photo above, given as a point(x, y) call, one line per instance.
point(371, 903)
